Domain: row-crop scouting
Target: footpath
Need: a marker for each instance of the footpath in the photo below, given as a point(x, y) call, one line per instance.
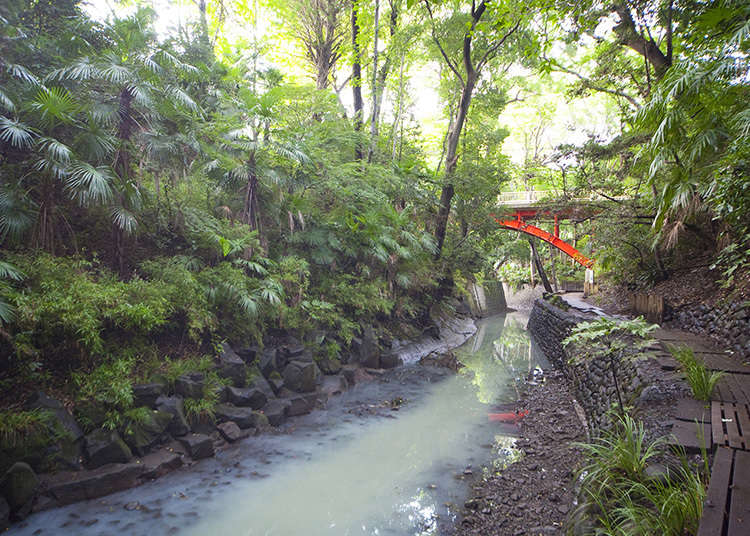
point(720, 426)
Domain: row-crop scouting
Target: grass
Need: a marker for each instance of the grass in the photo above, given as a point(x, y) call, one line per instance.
point(702, 381)
point(624, 500)
point(17, 426)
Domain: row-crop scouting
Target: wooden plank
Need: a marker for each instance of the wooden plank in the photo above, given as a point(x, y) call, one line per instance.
point(691, 436)
point(730, 421)
point(717, 427)
point(743, 414)
point(739, 510)
point(715, 504)
point(688, 409)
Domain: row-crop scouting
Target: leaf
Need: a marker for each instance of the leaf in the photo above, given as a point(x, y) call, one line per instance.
point(124, 220)
point(20, 72)
point(90, 184)
point(8, 271)
point(16, 133)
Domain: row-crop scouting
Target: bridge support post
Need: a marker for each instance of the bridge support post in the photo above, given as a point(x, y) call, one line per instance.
point(557, 227)
point(540, 267)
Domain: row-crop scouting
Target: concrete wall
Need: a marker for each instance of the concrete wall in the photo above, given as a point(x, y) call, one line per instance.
point(487, 299)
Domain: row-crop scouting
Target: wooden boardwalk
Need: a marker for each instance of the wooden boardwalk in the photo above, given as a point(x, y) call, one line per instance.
point(721, 426)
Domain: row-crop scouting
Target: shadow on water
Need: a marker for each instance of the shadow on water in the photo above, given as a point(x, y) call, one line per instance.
point(356, 467)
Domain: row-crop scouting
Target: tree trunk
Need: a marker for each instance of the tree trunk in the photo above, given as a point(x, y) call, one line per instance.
point(630, 37)
point(373, 117)
point(451, 161)
point(357, 78)
point(540, 267)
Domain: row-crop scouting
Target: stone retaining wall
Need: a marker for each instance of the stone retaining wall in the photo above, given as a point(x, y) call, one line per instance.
point(591, 378)
point(728, 324)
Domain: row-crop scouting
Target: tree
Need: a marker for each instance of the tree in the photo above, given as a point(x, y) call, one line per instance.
point(467, 71)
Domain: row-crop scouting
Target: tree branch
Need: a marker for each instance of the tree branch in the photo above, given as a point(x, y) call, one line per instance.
point(440, 47)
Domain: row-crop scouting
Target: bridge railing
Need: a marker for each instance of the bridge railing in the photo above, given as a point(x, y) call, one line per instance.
point(531, 197)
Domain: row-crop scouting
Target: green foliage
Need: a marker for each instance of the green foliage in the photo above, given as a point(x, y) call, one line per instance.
point(603, 332)
point(174, 368)
point(16, 427)
point(109, 384)
point(701, 380)
point(625, 500)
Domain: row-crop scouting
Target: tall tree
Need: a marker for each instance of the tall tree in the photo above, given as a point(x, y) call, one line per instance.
point(467, 74)
point(357, 77)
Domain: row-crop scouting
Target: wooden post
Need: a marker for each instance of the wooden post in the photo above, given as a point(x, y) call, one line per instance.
point(540, 267)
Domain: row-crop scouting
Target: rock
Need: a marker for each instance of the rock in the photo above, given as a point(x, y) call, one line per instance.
point(67, 423)
point(300, 377)
point(178, 426)
point(390, 360)
point(72, 486)
point(249, 354)
point(651, 393)
point(367, 350)
point(103, 446)
point(257, 381)
point(246, 396)
point(145, 394)
point(292, 348)
point(232, 366)
point(231, 432)
point(143, 434)
point(276, 384)
point(267, 362)
point(330, 365)
point(19, 486)
point(243, 417)
point(4, 514)
point(276, 411)
point(190, 385)
point(300, 405)
point(198, 445)
point(159, 463)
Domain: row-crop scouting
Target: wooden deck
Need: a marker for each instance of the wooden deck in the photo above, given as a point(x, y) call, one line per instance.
point(722, 427)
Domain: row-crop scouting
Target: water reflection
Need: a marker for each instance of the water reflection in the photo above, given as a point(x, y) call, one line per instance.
point(380, 473)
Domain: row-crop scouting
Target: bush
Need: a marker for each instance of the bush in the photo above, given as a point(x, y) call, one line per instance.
point(109, 384)
point(700, 379)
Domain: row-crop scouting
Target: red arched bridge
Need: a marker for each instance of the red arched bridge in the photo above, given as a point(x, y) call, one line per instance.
point(525, 205)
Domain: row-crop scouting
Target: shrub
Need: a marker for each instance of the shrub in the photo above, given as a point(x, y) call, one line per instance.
point(109, 384)
point(16, 427)
point(700, 379)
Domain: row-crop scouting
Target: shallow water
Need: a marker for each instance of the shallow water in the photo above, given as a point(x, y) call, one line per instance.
point(356, 468)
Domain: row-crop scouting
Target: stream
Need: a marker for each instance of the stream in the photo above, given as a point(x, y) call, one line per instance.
point(393, 456)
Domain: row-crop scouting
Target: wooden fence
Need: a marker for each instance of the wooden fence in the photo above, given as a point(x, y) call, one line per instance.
point(649, 305)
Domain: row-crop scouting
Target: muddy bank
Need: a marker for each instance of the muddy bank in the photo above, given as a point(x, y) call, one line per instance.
point(535, 494)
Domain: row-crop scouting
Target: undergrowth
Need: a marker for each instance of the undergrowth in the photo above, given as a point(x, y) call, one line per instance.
point(623, 500)
point(702, 381)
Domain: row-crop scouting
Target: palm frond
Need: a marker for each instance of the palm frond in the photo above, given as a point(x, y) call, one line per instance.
point(81, 69)
point(7, 312)
point(124, 220)
point(6, 102)
point(55, 103)
point(8, 271)
point(19, 72)
point(54, 149)
point(181, 98)
point(15, 215)
point(89, 184)
point(16, 133)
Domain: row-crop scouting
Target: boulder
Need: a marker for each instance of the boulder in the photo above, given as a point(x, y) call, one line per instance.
point(145, 394)
point(301, 405)
point(178, 426)
point(246, 396)
point(292, 348)
point(159, 463)
point(243, 417)
point(202, 424)
point(257, 381)
point(390, 360)
point(231, 432)
point(366, 349)
point(268, 362)
point(300, 376)
point(276, 411)
point(329, 365)
point(19, 486)
point(231, 366)
point(72, 486)
point(276, 383)
point(249, 354)
point(65, 421)
point(190, 385)
point(4, 514)
point(104, 446)
point(198, 445)
point(142, 434)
